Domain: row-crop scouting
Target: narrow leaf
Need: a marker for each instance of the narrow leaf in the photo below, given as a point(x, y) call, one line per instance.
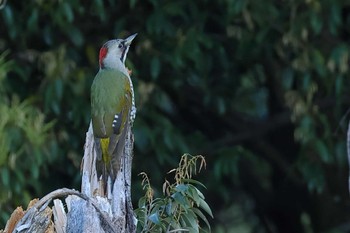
point(206, 207)
point(180, 199)
point(191, 220)
point(193, 193)
point(202, 216)
point(191, 181)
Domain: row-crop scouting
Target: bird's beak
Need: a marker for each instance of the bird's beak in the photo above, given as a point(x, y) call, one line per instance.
point(128, 40)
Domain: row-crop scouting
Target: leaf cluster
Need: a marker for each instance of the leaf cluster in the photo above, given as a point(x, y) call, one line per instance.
point(181, 207)
point(23, 135)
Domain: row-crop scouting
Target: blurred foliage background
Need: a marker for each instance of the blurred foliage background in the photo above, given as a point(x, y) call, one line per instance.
point(260, 88)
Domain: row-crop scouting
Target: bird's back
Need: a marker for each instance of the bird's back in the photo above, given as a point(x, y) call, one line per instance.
point(109, 92)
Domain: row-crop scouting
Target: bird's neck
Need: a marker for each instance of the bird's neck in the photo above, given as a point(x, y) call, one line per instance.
point(112, 62)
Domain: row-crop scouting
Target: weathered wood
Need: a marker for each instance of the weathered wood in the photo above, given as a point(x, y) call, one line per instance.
point(118, 196)
point(15, 217)
point(35, 220)
point(90, 210)
point(59, 216)
point(90, 185)
point(38, 217)
point(79, 210)
point(127, 161)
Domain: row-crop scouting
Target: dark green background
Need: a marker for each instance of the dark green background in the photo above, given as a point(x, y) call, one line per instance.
point(260, 88)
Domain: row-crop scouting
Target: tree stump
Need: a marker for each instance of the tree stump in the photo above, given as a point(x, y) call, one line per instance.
point(92, 209)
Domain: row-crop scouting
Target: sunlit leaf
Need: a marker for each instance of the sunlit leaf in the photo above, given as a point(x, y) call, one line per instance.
point(154, 218)
point(181, 188)
point(180, 199)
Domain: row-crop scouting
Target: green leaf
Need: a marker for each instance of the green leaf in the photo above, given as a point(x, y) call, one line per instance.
point(181, 188)
point(168, 208)
point(191, 220)
point(200, 194)
point(75, 36)
point(316, 23)
point(32, 22)
point(287, 78)
point(47, 35)
point(180, 199)
point(154, 218)
point(335, 18)
point(318, 61)
point(221, 105)
point(59, 88)
point(5, 176)
point(142, 202)
point(205, 207)
point(193, 193)
point(165, 103)
point(323, 151)
point(8, 16)
point(191, 181)
point(132, 3)
point(35, 172)
point(68, 12)
point(4, 144)
point(202, 216)
point(155, 68)
point(99, 7)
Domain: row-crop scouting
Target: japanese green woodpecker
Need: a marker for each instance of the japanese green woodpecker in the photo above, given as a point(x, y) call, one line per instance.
point(112, 106)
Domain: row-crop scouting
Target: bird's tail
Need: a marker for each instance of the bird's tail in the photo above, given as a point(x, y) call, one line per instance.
point(103, 160)
point(109, 151)
point(106, 160)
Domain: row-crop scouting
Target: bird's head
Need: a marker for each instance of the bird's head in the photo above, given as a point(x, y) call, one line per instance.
point(113, 53)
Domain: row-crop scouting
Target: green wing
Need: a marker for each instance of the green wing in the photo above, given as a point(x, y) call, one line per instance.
point(110, 96)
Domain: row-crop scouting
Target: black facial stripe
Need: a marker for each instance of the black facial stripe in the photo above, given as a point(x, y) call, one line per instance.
point(125, 51)
point(123, 54)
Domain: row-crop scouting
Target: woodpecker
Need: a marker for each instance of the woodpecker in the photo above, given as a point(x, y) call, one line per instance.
point(112, 106)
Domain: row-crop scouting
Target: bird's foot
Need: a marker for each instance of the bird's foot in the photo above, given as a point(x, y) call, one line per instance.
point(129, 71)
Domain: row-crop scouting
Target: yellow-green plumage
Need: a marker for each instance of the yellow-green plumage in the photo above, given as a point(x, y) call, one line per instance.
point(110, 96)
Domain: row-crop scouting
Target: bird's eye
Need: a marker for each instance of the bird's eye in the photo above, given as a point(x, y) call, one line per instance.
point(120, 46)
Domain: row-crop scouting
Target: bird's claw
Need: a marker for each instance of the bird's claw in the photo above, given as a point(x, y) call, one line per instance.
point(129, 71)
